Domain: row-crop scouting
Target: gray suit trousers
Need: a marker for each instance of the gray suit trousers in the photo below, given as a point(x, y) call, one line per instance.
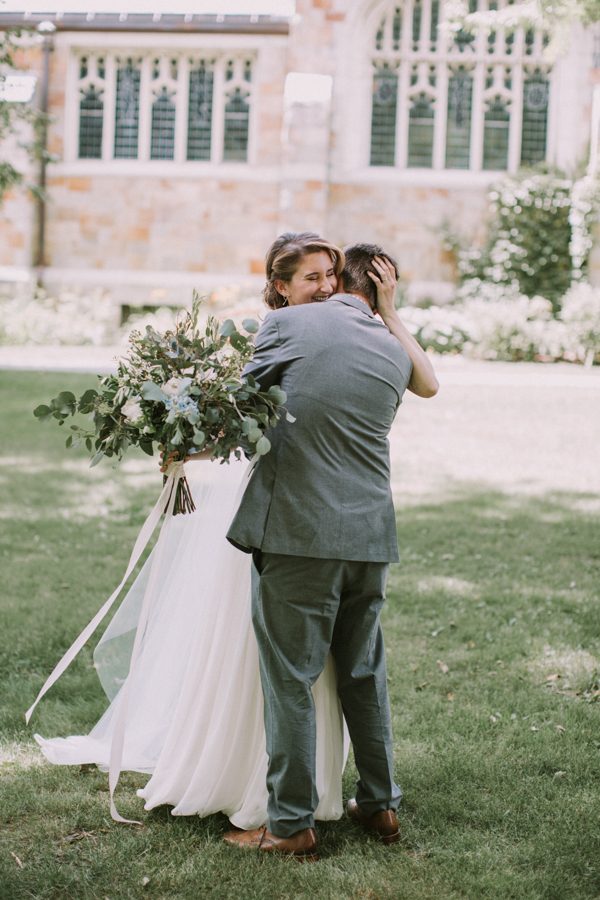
point(301, 609)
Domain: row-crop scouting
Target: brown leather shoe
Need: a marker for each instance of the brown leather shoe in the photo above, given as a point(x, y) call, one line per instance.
point(383, 823)
point(302, 845)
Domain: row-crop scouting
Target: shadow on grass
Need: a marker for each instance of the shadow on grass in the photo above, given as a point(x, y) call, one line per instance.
point(492, 640)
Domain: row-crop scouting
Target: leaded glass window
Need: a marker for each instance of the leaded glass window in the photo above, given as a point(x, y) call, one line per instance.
point(164, 87)
point(164, 106)
point(91, 107)
point(200, 111)
point(235, 137)
point(91, 113)
point(236, 126)
point(127, 110)
point(163, 126)
point(383, 120)
point(467, 115)
point(535, 118)
point(458, 123)
point(495, 135)
point(420, 132)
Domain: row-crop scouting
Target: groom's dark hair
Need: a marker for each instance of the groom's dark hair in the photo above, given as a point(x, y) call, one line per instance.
point(359, 260)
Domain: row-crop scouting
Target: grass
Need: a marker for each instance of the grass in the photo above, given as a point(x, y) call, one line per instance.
point(494, 663)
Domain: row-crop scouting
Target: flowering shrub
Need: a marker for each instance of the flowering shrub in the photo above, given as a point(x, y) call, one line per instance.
point(68, 318)
point(529, 243)
point(585, 205)
point(492, 322)
point(580, 314)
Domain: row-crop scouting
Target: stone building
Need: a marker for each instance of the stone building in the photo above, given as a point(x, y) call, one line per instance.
point(183, 144)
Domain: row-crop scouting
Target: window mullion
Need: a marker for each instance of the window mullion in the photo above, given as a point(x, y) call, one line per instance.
point(441, 115)
point(402, 117)
point(218, 111)
point(477, 113)
point(73, 104)
point(110, 92)
point(181, 115)
point(516, 119)
point(145, 110)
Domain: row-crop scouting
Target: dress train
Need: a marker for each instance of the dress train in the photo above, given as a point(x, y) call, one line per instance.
point(195, 709)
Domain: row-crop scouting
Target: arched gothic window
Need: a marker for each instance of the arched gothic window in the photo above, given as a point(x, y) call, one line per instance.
point(444, 100)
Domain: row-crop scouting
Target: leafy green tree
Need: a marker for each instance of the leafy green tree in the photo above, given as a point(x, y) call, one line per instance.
point(12, 116)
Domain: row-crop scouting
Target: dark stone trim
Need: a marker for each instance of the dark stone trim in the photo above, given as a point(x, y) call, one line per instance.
point(166, 22)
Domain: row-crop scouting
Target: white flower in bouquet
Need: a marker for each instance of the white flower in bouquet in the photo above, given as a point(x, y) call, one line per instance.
point(132, 410)
point(174, 387)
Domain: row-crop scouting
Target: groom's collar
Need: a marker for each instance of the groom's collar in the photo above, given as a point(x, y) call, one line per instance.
point(352, 300)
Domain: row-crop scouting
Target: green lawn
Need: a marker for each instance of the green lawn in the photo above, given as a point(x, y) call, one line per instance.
point(493, 638)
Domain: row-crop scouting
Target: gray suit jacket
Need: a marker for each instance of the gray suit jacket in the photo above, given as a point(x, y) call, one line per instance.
point(324, 488)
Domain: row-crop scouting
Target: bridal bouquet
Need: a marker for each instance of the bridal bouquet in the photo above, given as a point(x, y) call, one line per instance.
point(181, 392)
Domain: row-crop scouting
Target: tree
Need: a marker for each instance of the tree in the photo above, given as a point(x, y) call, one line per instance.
point(13, 115)
point(555, 17)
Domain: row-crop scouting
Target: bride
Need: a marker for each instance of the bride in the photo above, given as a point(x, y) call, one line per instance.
point(194, 708)
point(194, 717)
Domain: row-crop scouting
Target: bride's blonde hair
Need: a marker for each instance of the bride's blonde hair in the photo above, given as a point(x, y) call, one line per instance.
point(284, 257)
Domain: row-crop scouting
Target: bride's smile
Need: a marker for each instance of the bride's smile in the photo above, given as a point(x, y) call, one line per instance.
point(313, 281)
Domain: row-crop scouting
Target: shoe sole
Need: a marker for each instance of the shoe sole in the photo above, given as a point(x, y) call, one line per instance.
point(384, 838)
point(306, 857)
point(388, 838)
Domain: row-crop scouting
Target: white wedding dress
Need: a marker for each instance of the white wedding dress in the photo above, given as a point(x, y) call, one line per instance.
point(194, 717)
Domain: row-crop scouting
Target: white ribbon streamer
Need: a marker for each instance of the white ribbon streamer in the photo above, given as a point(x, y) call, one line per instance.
point(167, 495)
point(118, 738)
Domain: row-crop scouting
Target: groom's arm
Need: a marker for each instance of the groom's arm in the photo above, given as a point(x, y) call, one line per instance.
point(267, 363)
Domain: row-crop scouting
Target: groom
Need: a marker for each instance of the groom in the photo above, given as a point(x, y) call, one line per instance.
point(318, 516)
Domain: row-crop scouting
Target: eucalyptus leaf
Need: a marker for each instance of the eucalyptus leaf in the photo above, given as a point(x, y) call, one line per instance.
point(86, 401)
point(277, 394)
point(151, 391)
point(228, 328)
point(263, 446)
point(250, 325)
point(249, 424)
point(97, 457)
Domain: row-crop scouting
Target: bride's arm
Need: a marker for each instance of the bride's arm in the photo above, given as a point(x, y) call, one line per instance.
point(422, 380)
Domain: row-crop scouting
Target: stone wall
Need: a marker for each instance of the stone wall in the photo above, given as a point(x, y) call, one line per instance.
point(171, 224)
point(145, 226)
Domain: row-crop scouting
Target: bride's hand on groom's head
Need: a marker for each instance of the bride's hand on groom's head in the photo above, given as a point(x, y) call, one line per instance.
point(384, 279)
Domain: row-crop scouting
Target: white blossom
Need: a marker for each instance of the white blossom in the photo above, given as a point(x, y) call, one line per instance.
point(132, 409)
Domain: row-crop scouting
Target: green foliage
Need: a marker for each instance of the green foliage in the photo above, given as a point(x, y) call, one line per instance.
point(13, 114)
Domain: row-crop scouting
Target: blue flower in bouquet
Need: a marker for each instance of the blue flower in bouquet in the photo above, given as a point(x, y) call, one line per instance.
point(182, 407)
